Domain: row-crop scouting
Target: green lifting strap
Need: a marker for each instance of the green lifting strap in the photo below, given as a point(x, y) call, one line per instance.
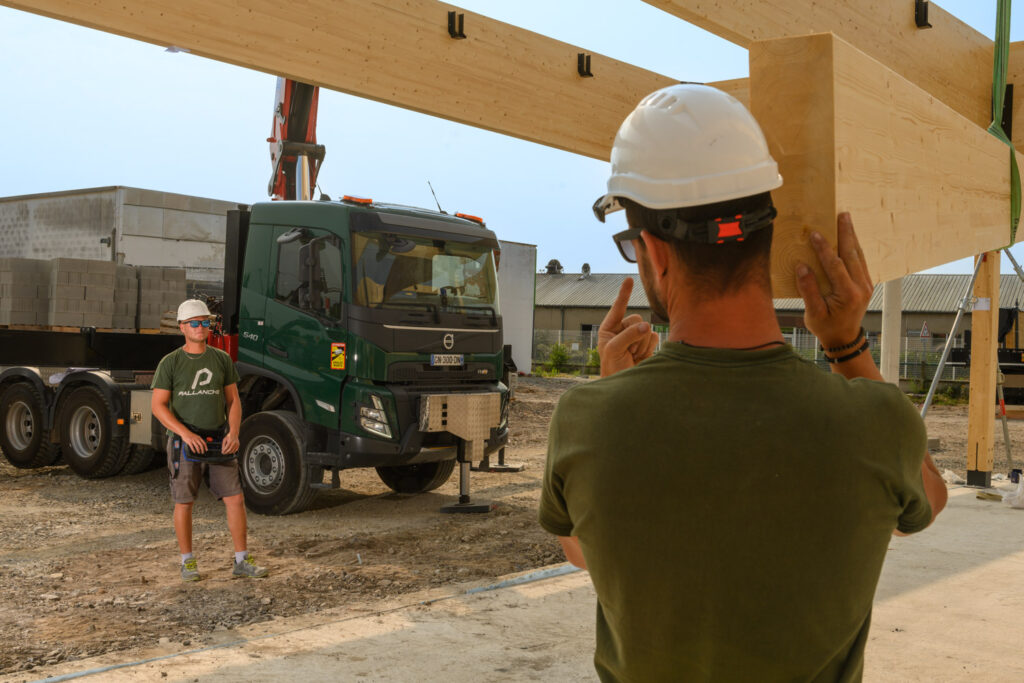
point(1000, 61)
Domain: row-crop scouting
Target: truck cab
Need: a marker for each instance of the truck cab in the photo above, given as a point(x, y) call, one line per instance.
point(366, 335)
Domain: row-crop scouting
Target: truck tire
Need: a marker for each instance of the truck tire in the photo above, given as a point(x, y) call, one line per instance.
point(87, 437)
point(275, 479)
point(140, 459)
point(23, 436)
point(418, 478)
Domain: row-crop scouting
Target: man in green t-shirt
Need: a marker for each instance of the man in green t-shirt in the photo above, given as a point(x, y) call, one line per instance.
point(732, 502)
point(195, 396)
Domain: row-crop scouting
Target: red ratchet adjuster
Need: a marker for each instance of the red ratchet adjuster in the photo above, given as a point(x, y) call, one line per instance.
point(717, 230)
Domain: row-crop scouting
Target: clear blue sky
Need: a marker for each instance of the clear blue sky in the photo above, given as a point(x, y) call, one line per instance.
point(85, 109)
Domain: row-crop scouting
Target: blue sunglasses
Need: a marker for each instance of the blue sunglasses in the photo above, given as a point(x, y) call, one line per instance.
point(197, 323)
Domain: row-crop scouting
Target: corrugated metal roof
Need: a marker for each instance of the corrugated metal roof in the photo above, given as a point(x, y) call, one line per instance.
point(921, 293)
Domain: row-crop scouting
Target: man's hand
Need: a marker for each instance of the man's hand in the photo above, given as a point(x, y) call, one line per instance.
point(836, 319)
point(195, 443)
point(230, 443)
point(624, 341)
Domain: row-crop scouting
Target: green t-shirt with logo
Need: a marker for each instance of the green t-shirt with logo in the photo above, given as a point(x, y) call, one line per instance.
point(197, 385)
point(734, 509)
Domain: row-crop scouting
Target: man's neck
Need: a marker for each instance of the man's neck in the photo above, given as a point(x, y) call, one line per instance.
point(194, 348)
point(744, 320)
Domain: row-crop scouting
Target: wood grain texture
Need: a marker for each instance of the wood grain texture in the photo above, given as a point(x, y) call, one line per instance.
point(951, 61)
point(984, 328)
point(1015, 75)
point(925, 186)
point(501, 78)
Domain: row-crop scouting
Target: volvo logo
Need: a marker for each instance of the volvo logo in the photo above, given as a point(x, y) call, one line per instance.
point(449, 341)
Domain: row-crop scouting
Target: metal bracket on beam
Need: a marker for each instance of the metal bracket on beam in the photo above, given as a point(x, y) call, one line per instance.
point(583, 65)
point(456, 22)
point(921, 14)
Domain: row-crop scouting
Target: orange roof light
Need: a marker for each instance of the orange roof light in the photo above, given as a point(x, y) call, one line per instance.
point(356, 200)
point(475, 219)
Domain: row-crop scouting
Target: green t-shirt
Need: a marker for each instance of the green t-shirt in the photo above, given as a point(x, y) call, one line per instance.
point(197, 385)
point(734, 509)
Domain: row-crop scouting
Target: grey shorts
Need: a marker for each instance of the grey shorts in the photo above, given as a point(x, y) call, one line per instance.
point(223, 478)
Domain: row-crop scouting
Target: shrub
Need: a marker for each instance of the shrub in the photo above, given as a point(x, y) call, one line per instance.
point(558, 357)
point(593, 359)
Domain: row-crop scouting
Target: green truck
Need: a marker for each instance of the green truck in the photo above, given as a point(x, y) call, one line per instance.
point(365, 335)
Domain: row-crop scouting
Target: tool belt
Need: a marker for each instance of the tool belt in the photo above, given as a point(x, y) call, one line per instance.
point(213, 438)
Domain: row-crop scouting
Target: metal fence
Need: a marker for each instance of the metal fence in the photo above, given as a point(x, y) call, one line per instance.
point(575, 351)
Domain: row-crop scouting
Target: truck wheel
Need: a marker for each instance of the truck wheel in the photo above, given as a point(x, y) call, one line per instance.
point(275, 479)
point(87, 435)
point(140, 459)
point(23, 435)
point(418, 478)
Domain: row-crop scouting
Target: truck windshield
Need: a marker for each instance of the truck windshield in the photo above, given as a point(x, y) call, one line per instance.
point(394, 270)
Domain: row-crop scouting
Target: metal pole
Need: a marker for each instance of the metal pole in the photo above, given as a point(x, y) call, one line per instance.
point(961, 309)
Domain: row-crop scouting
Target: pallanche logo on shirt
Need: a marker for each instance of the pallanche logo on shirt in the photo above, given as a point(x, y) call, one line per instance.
point(202, 378)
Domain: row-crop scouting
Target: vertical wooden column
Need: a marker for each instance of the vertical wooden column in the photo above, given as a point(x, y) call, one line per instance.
point(984, 362)
point(892, 339)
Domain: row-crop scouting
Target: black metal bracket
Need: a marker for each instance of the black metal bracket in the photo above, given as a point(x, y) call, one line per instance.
point(921, 14)
point(1007, 120)
point(456, 22)
point(583, 65)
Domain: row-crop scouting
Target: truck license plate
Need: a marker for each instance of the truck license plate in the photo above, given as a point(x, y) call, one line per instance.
point(447, 359)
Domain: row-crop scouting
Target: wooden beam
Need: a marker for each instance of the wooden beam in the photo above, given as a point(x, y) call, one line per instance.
point(892, 330)
point(499, 77)
point(1015, 75)
point(981, 418)
point(951, 61)
point(925, 185)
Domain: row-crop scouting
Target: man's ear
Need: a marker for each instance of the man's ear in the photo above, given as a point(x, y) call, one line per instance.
point(657, 251)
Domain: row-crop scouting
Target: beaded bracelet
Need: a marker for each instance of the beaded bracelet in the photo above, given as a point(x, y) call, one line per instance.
point(844, 347)
point(850, 356)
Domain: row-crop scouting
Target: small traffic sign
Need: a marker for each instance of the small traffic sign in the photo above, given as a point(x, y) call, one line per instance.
point(924, 329)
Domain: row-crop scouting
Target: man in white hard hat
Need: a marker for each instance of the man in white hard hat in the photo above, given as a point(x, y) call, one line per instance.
point(195, 396)
point(732, 502)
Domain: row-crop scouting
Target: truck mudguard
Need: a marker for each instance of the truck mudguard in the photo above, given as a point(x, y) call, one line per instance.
point(249, 369)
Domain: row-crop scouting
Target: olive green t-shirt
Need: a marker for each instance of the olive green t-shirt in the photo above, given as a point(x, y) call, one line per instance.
point(197, 385)
point(734, 509)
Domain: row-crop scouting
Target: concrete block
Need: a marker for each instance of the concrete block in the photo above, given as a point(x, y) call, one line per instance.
point(27, 305)
point(67, 291)
point(101, 279)
point(18, 318)
point(122, 322)
point(100, 292)
point(97, 320)
point(64, 318)
point(20, 290)
point(174, 274)
point(76, 265)
point(23, 265)
point(153, 272)
point(65, 277)
point(66, 306)
point(151, 283)
point(104, 267)
point(150, 296)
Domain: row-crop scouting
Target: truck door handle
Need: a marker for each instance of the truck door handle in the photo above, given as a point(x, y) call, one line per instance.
point(280, 353)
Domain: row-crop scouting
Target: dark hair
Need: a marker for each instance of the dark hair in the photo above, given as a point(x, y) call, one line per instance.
point(715, 269)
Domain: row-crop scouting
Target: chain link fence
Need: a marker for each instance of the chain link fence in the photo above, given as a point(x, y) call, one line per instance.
point(575, 351)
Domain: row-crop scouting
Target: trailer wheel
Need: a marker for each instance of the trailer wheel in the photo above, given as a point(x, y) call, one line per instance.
point(140, 459)
point(275, 479)
point(23, 435)
point(87, 436)
point(418, 478)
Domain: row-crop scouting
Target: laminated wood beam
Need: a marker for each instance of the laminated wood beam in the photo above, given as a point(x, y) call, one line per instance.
point(499, 77)
point(951, 60)
point(925, 185)
point(984, 330)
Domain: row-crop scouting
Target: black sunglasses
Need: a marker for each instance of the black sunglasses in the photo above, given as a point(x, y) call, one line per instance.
point(197, 323)
point(624, 241)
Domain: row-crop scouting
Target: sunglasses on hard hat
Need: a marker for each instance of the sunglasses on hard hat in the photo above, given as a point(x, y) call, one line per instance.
point(624, 241)
point(197, 323)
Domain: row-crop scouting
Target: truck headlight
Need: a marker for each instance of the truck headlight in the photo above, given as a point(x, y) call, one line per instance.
point(375, 419)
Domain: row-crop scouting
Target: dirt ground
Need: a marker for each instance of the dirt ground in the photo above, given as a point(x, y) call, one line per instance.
point(91, 567)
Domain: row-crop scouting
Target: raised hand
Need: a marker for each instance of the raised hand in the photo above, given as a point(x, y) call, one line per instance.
point(623, 341)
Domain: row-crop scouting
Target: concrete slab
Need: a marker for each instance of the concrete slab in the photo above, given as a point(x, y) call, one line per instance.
point(949, 607)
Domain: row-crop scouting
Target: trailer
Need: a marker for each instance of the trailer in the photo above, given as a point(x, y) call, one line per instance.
point(365, 335)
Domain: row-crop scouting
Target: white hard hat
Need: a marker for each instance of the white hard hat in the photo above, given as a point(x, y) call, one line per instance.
point(193, 308)
point(688, 145)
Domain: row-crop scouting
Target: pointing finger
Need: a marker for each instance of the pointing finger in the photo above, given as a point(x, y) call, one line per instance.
point(613, 320)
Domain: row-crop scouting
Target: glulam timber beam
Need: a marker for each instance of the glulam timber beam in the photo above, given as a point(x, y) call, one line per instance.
point(924, 184)
point(951, 61)
point(499, 77)
point(984, 331)
point(1015, 75)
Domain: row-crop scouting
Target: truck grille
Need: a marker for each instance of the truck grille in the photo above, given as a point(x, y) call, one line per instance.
point(421, 372)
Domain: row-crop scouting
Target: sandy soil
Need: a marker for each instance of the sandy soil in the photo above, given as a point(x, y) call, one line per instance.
point(91, 567)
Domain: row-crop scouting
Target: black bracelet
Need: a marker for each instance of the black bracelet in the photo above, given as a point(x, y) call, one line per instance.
point(844, 347)
point(850, 356)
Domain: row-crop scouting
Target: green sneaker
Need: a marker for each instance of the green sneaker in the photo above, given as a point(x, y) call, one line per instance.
point(190, 570)
point(249, 569)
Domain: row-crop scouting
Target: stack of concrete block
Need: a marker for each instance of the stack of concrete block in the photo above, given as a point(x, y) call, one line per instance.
point(81, 293)
point(126, 298)
point(24, 285)
point(160, 291)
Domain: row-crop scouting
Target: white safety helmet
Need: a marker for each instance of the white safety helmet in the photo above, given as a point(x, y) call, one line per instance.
point(688, 145)
point(193, 308)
